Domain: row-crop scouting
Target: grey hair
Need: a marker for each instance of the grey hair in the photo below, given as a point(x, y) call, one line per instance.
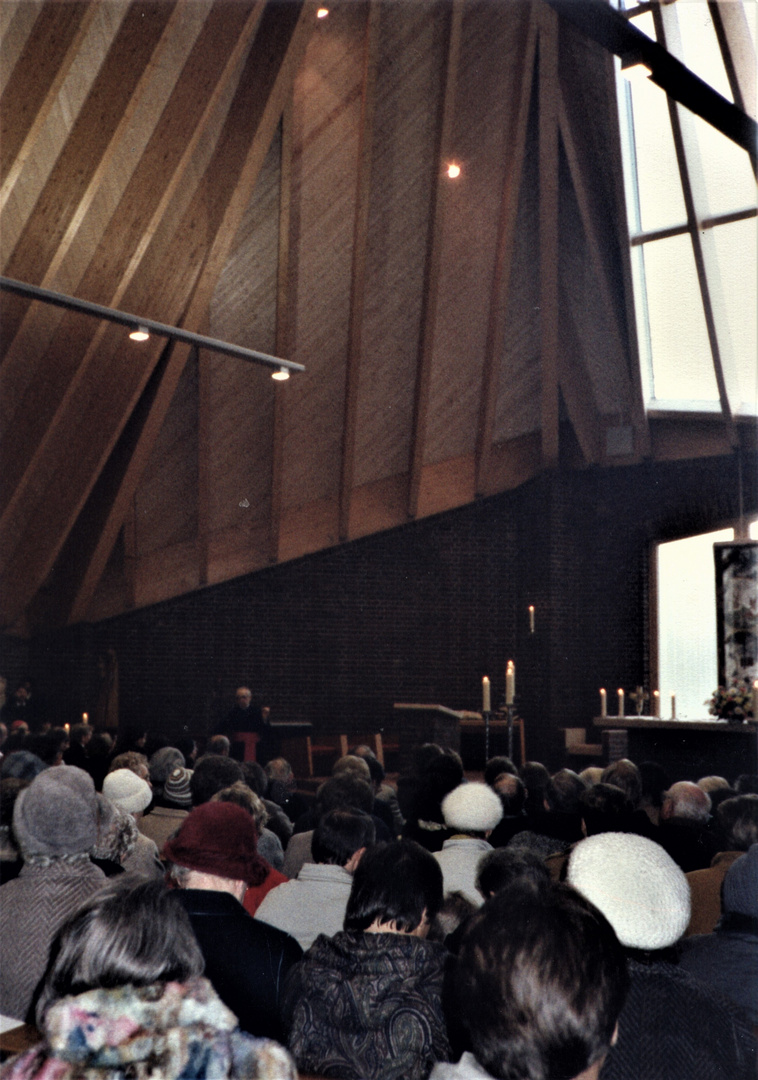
point(132, 931)
point(242, 795)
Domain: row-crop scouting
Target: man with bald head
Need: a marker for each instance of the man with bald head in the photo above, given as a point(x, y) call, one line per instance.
point(683, 831)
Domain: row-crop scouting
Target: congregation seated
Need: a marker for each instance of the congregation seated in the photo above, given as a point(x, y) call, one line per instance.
point(366, 1003)
point(385, 795)
point(683, 830)
point(471, 812)
point(736, 832)
point(434, 773)
point(133, 795)
point(339, 792)
point(170, 808)
point(281, 788)
point(213, 859)
point(124, 996)
point(512, 794)
point(314, 902)
point(278, 821)
point(212, 773)
point(557, 824)
point(268, 845)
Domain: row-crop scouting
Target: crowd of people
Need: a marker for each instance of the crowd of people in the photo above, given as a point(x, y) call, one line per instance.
point(164, 914)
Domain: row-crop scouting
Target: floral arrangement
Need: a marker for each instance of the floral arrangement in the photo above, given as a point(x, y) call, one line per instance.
point(732, 703)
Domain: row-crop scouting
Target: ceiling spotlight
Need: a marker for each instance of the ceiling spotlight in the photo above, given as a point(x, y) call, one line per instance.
point(140, 334)
point(636, 71)
point(322, 13)
point(453, 170)
point(281, 374)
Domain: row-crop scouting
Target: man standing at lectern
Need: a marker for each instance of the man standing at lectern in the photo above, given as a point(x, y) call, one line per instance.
point(247, 717)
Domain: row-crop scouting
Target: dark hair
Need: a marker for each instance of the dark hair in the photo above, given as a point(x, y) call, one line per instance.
point(212, 773)
point(255, 777)
point(738, 819)
point(425, 790)
point(496, 766)
point(394, 882)
point(218, 744)
point(514, 797)
point(746, 784)
point(624, 774)
point(563, 791)
point(345, 790)
point(131, 931)
point(655, 780)
point(499, 869)
point(604, 808)
point(374, 764)
point(48, 745)
point(540, 983)
point(339, 834)
point(536, 778)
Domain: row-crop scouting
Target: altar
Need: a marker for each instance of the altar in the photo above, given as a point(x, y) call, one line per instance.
point(687, 749)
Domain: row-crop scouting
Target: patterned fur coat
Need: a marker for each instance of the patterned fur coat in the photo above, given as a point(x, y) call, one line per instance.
point(169, 1030)
point(367, 1007)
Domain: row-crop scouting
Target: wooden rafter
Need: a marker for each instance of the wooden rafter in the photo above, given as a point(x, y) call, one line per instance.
point(493, 349)
point(445, 117)
point(548, 231)
point(358, 276)
point(577, 390)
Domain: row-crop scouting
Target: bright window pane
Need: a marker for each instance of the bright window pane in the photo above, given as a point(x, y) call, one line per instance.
point(728, 180)
point(682, 362)
point(700, 46)
point(660, 191)
point(687, 647)
point(737, 258)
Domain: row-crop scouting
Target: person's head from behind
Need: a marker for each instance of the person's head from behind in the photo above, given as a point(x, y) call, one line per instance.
point(624, 774)
point(341, 838)
point(346, 790)
point(218, 744)
point(397, 888)
point(507, 867)
point(351, 763)
point(541, 981)
point(496, 766)
point(738, 822)
point(604, 808)
point(562, 792)
point(212, 773)
point(216, 848)
point(132, 931)
point(512, 794)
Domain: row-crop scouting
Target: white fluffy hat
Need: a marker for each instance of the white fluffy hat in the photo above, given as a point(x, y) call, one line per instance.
point(472, 808)
point(636, 884)
point(127, 790)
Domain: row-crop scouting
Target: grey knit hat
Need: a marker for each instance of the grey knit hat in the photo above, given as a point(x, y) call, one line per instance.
point(127, 790)
point(176, 790)
point(163, 762)
point(636, 884)
point(57, 814)
point(740, 889)
point(472, 808)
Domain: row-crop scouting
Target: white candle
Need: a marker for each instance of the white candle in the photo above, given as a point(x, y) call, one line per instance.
point(531, 618)
point(755, 700)
point(67, 728)
point(485, 694)
point(510, 683)
point(85, 718)
point(656, 703)
point(673, 706)
point(603, 703)
point(621, 702)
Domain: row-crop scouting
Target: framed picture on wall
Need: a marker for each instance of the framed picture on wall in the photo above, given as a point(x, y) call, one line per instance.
point(737, 609)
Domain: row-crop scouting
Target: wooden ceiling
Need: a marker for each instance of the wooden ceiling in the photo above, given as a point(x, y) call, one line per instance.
point(244, 169)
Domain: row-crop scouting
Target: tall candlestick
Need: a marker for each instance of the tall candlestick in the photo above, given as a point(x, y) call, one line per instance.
point(656, 703)
point(621, 702)
point(603, 703)
point(510, 683)
point(531, 618)
point(673, 706)
point(486, 695)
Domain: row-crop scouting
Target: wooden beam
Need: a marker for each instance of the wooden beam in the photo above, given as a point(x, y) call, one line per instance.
point(577, 389)
point(358, 272)
point(548, 232)
point(703, 246)
point(272, 67)
point(205, 362)
point(445, 117)
point(69, 367)
point(286, 292)
point(515, 150)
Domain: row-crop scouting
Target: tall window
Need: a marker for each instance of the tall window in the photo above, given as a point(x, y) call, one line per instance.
point(691, 199)
point(687, 656)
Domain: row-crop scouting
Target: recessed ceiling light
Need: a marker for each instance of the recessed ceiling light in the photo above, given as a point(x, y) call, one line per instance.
point(322, 13)
point(453, 170)
point(281, 374)
point(140, 334)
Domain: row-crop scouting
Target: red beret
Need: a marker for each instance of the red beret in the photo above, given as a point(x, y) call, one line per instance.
point(218, 838)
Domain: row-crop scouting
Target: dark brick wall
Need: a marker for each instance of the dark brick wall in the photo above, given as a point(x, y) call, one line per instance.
point(419, 613)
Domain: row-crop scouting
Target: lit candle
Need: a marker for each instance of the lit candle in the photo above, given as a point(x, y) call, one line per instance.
point(621, 702)
point(755, 700)
point(485, 694)
point(67, 728)
point(510, 683)
point(656, 703)
point(673, 706)
point(531, 618)
point(603, 703)
point(85, 718)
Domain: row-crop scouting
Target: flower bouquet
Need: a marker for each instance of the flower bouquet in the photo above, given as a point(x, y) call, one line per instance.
point(734, 702)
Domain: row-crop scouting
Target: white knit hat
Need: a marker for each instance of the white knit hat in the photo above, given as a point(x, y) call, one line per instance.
point(127, 790)
point(472, 808)
point(636, 884)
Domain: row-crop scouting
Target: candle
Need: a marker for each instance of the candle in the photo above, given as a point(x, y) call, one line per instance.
point(485, 694)
point(85, 718)
point(673, 706)
point(755, 700)
point(621, 702)
point(656, 703)
point(67, 728)
point(531, 618)
point(510, 683)
point(603, 703)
